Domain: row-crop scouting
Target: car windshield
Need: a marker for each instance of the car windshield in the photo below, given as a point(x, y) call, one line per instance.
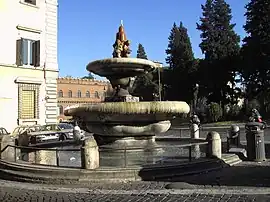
point(65, 126)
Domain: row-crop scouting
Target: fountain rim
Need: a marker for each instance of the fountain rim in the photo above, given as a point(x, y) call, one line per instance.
point(126, 63)
point(154, 107)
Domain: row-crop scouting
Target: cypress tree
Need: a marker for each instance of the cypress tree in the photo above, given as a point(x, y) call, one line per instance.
point(220, 45)
point(180, 57)
point(141, 52)
point(144, 86)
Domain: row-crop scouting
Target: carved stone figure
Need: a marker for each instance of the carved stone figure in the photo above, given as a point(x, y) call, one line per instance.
point(121, 45)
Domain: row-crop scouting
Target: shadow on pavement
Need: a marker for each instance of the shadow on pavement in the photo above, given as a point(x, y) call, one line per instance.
point(246, 174)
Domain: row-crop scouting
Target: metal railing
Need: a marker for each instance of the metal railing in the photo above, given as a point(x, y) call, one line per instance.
point(35, 149)
point(125, 151)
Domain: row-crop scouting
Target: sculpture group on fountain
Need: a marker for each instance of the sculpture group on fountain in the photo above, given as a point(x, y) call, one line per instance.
point(121, 45)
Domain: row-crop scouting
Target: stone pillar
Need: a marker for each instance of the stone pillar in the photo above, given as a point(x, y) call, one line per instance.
point(195, 134)
point(10, 153)
point(44, 157)
point(77, 134)
point(23, 140)
point(214, 145)
point(90, 154)
point(194, 131)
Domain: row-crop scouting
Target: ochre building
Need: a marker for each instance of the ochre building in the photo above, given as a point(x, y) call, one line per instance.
point(72, 91)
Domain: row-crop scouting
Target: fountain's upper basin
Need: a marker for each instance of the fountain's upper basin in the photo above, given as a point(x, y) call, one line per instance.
point(121, 67)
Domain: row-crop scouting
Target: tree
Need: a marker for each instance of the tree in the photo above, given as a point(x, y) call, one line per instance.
point(171, 50)
point(181, 60)
point(144, 85)
point(141, 52)
point(220, 45)
point(256, 50)
point(90, 76)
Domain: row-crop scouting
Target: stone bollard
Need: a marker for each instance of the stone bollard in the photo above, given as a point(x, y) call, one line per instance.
point(23, 140)
point(195, 134)
point(90, 154)
point(214, 145)
point(10, 153)
point(194, 131)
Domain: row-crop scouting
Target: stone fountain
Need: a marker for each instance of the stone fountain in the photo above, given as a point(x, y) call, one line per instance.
point(122, 121)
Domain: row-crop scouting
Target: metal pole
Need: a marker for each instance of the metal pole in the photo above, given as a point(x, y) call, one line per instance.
point(159, 83)
point(57, 158)
point(189, 153)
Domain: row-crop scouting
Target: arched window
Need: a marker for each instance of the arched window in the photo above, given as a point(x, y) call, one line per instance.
point(79, 94)
point(60, 93)
point(87, 94)
point(69, 93)
point(61, 109)
point(96, 95)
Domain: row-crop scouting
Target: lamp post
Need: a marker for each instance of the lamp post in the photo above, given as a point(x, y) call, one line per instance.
point(159, 84)
point(195, 97)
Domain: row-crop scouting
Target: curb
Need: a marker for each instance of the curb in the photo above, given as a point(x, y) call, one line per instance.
point(56, 175)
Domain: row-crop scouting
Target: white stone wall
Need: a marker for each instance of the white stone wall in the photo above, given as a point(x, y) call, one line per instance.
point(33, 22)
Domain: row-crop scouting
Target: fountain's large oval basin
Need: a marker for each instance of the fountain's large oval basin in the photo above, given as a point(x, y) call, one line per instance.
point(128, 118)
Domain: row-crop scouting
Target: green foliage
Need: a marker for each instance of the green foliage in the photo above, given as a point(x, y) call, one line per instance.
point(220, 45)
point(141, 52)
point(202, 109)
point(89, 76)
point(256, 49)
point(144, 86)
point(214, 112)
point(232, 112)
point(181, 62)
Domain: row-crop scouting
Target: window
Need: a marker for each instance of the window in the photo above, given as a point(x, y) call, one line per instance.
point(33, 2)
point(28, 52)
point(79, 93)
point(28, 101)
point(61, 109)
point(69, 93)
point(87, 94)
point(60, 93)
point(96, 95)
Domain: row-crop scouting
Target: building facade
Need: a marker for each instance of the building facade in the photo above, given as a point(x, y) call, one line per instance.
point(72, 91)
point(28, 62)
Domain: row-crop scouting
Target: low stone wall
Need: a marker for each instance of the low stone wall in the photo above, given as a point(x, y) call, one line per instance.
point(10, 153)
point(43, 157)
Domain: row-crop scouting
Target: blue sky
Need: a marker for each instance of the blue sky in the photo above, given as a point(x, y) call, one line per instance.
point(86, 30)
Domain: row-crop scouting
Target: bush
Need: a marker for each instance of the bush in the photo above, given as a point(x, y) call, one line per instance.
point(232, 112)
point(202, 109)
point(214, 112)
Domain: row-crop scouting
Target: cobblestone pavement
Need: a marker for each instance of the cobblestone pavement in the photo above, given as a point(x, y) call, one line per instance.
point(237, 183)
point(247, 181)
point(20, 195)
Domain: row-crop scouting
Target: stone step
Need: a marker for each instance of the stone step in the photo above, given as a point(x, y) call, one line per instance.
point(231, 159)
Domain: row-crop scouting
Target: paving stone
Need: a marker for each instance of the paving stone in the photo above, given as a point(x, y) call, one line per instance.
point(21, 195)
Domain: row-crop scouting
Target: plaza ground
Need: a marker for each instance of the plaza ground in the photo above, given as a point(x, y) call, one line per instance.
point(247, 181)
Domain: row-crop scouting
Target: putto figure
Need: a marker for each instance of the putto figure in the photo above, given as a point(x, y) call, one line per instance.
point(121, 45)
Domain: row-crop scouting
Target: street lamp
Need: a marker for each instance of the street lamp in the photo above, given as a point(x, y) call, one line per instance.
point(195, 97)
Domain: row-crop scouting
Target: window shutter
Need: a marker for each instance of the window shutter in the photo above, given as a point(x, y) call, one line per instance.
point(19, 52)
point(36, 53)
